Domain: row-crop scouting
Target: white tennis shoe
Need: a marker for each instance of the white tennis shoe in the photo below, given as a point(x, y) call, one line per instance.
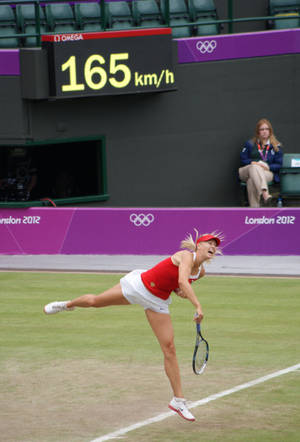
point(179, 405)
point(56, 307)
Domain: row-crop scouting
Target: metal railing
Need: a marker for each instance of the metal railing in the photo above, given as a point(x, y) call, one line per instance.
point(230, 20)
point(37, 34)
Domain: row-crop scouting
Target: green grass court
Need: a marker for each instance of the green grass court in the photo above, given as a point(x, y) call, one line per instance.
point(76, 376)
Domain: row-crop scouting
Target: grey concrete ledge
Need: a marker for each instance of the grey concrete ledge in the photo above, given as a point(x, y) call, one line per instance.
point(230, 265)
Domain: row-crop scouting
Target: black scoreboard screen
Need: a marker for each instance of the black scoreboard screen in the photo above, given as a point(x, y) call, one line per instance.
point(109, 63)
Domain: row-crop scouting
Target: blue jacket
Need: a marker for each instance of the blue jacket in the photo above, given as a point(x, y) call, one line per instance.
point(274, 159)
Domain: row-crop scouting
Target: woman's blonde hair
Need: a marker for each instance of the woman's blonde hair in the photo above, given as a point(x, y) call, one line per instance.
point(273, 140)
point(191, 244)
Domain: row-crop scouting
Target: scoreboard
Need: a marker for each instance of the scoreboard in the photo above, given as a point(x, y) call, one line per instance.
point(109, 63)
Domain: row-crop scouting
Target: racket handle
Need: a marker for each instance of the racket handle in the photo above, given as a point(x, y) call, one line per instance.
point(197, 323)
point(196, 316)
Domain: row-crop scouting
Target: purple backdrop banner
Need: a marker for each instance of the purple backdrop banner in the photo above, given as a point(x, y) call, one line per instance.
point(225, 47)
point(212, 48)
point(147, 231)
point(9, 62)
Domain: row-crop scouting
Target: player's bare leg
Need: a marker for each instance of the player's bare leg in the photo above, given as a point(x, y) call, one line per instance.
point(113, 296)
point(163, 329)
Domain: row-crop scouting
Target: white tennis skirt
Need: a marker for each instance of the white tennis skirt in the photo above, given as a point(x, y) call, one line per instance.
point(136, 293)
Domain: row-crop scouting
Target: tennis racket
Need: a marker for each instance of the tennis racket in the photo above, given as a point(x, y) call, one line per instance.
point(200, 356)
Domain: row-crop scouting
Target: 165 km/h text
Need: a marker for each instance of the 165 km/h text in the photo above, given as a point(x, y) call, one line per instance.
point(97, 74)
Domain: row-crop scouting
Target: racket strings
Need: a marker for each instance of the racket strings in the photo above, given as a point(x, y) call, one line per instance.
point(201, 356)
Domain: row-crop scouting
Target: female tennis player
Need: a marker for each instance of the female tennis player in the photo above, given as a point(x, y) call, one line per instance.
point(152, 289)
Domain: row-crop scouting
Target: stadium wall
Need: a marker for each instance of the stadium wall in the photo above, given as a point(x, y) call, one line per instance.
point(170, 149)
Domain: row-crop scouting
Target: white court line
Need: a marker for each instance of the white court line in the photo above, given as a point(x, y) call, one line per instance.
point(119, 433)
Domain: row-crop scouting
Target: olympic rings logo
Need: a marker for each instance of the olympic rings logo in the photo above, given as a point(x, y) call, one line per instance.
point(207, 46)
point(141, 219)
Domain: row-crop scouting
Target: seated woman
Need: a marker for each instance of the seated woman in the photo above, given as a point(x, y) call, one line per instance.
point(261, 160)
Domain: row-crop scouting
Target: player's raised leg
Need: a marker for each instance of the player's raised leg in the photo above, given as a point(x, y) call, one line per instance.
point(112, 296)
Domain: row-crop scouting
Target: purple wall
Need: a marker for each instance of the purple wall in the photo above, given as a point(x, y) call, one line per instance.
point(233, 46)
point(9, 62)
point(146, 231)
point(212, 48)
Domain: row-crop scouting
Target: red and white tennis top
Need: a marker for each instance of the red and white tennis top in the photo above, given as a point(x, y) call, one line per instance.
point(162, 279)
